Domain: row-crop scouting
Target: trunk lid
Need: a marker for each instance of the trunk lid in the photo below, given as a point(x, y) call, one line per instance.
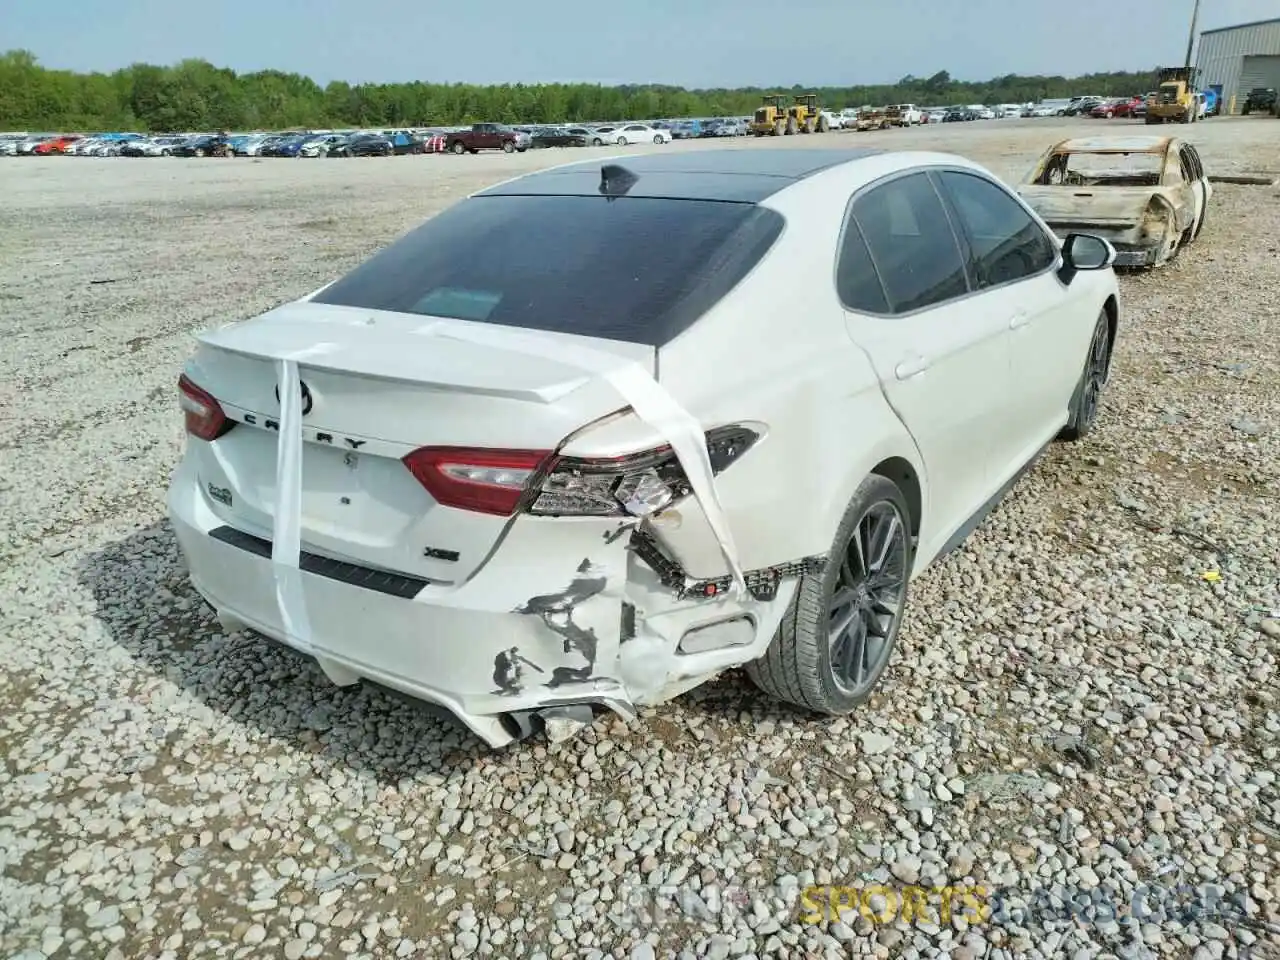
point(378, 386)
point(1103, 206)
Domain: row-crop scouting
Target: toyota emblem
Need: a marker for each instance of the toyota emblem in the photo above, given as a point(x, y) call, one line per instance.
point(306, 397)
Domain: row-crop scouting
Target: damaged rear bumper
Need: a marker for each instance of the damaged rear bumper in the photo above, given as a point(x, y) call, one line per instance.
point(564, 615)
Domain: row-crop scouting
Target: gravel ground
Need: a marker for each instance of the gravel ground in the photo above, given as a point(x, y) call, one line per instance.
point(1084, 700)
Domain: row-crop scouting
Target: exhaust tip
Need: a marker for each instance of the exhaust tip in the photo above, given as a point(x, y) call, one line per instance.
point(561, 722)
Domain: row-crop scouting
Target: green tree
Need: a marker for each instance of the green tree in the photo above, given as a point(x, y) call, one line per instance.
point(196, 95)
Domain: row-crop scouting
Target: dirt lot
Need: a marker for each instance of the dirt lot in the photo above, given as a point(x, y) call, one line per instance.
point(1084, 699)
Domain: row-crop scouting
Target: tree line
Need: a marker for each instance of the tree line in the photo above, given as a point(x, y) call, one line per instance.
point(196, 95)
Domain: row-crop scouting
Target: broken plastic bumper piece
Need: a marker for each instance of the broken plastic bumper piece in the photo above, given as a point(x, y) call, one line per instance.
point(1135, 256)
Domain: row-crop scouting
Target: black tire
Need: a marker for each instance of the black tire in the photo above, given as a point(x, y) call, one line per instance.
point(798, 666)
point(791, 126)
point(166, 152)
point(823, 125)
point(508, 147)
point(621, 141)
point(1087, 397)
point(779, 128)
point(597, 142)
point(657, 138)
point(459, 147)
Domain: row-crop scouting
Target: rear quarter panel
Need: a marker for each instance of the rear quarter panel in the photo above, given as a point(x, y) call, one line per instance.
point(776, 351)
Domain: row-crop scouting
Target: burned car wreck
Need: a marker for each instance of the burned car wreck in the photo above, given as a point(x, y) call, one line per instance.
point(1147, 195)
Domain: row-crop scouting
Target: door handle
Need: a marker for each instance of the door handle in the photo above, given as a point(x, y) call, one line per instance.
point(1019, 319)
point(911, 367)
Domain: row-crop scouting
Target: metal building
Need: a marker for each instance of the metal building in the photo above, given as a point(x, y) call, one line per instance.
point(1237, 59)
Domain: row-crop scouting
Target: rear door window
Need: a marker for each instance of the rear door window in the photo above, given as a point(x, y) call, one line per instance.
point(856, 279)
point(912, 243)
point(1006, 242)
point(639, 270)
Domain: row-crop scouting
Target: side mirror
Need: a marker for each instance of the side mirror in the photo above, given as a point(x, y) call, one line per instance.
point(1083, 251)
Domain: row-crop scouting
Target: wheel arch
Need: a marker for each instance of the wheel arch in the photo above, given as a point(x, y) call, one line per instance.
point(1112, 308)
point(901, 472)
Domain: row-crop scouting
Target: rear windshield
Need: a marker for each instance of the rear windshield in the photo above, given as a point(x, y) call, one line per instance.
point(634, 269)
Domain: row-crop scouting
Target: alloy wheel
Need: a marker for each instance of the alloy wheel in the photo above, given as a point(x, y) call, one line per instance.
point(1096, 375)
point(867, 599)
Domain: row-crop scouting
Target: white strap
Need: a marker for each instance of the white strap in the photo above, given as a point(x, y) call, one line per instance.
point(286, 538)
point(650, 401)
point(633, 383)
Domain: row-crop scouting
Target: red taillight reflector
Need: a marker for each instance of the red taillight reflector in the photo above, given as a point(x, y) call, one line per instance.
point(483, 481)
point(203, 414)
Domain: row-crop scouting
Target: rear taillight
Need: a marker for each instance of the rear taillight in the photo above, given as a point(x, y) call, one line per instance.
point(204, 417)
point(634, 485)
point(483, 481)
point(502, 481)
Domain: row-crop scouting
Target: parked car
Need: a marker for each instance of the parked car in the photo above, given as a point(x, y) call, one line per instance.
point(719, 127)
point(497, 497)
point(290, 147)
point(686, 130)
point(1080, 105)
point(909, 114)
point(406, 142)
point(362, 145)
point(28, 147)
point(152, 147)
point(207, 145)
point(633, 133)
point(488, 136)
point(1128, 107)
point(249, 146)
point(1259, 100)
point(54, 145)
point(545, 137)
point(321, 145)
point(1148, 196)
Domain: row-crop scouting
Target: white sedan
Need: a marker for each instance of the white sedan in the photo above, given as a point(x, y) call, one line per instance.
point(452, 474)
point(630, 133)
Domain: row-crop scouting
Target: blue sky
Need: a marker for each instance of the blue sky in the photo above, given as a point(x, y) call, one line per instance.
point(693, 43)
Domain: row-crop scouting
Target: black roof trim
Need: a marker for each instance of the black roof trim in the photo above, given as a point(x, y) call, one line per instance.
point(735, 176)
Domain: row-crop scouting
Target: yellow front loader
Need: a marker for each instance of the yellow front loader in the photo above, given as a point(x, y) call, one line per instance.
point(808, 114)
point(772, 117)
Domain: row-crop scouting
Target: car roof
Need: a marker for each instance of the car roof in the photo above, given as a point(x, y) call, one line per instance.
point(742, 176)
point(1115, 145)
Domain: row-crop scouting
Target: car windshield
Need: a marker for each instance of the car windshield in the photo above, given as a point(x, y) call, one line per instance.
point(638, 270)
point(1102, 169)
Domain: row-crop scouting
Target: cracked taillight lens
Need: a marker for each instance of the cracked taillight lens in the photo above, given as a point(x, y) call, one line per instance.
point(479, 480)
point(203, 414)
point(635, 485)
point(500, 482)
